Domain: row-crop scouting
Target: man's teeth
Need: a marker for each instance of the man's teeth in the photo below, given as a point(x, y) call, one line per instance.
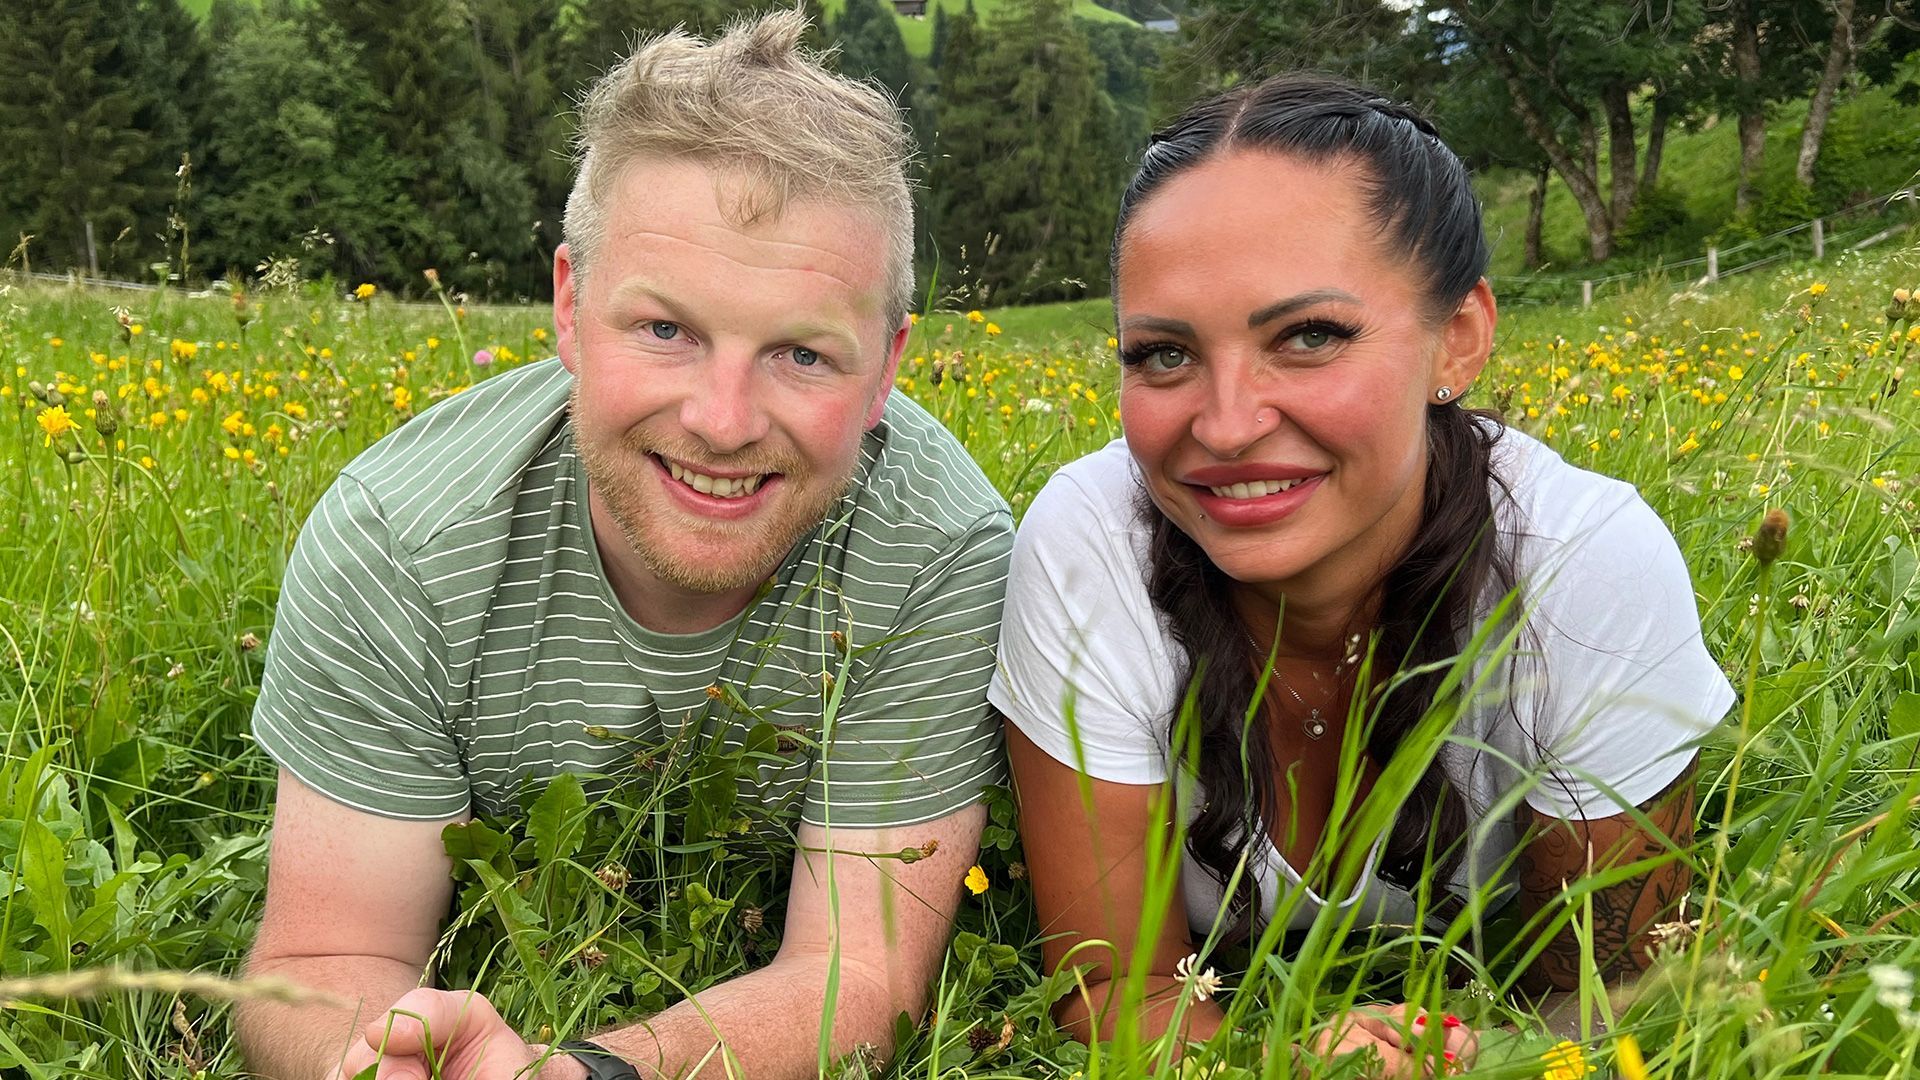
point(1255, 490)
point(720, 487)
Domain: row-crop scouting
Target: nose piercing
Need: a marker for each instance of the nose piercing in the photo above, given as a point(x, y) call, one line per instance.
point(1260, 416)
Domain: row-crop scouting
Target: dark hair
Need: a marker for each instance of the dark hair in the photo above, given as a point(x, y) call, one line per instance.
point(1424, 203)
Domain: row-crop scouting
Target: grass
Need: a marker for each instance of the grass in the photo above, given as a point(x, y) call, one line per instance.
point(139, 570)
point(917, 31)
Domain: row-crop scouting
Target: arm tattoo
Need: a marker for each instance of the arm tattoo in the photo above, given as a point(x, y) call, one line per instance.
point(1559, 853)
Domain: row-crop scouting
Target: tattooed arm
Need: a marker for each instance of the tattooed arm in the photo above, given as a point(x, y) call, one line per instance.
point(1559, 853)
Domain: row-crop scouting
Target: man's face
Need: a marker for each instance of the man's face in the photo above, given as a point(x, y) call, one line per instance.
point(724, 374)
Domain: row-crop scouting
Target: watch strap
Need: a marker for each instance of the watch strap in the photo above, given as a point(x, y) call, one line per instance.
point(600, 1062)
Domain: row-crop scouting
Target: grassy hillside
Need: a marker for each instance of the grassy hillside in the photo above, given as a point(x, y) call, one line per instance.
point(1870, 148)
point(918, 32)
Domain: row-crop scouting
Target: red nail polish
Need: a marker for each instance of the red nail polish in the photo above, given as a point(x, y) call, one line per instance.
point(1419, 1020)
point(1448, 1054)
point(1451, 1021)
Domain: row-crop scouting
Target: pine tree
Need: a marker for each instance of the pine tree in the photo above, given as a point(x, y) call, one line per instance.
point(1026, 173)
point(173, 61)
point(67, 108)
point(871, 47)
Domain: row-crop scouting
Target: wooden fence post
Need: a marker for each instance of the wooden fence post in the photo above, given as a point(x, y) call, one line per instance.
point(1586, 293)
point(1819, 239)
point(1713, 263)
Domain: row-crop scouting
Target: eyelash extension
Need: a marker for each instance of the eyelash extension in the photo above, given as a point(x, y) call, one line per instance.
point(1329, 327)
point(1135, 354)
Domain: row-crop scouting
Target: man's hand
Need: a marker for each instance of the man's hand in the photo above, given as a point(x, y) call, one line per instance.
point(456, 1032)
point(1398, 1035)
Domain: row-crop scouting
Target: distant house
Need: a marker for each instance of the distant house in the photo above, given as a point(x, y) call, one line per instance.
point(1162, 26)
point(916, 8)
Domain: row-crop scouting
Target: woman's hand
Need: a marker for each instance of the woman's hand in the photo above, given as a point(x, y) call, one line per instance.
point(1411, 1044)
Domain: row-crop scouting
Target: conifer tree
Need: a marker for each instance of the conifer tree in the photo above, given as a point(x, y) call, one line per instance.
point(67, 107)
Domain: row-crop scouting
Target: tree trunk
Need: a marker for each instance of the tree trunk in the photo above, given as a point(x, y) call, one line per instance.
point(1622, 153)
point(1536, 217)
point(1583, 183)
point(1839, 62)
point(1656, 140)
point(1753, 117)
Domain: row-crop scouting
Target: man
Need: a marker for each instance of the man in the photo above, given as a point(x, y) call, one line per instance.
point(711, 480)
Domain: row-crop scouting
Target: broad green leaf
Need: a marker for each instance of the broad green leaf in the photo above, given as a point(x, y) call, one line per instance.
point(1903, 719)
point(558, 820)
point(43, 868)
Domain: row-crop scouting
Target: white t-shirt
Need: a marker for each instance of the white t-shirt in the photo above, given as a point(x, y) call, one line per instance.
point(1629, 687)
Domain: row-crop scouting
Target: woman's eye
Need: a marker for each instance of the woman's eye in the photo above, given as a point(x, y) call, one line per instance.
point(1313, 339)
point(1163, 359)
point(664, 330)
point(805, 357)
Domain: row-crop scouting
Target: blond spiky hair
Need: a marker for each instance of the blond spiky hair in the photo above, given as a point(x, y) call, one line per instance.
point(755, 104)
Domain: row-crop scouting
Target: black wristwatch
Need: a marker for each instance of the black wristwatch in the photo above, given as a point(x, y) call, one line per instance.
point(600, 1062)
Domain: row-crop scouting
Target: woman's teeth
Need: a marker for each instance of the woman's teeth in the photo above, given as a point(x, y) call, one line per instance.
point(720, 487)
point(1254, 490)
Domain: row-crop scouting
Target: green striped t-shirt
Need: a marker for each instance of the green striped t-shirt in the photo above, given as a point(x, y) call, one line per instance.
point(446, 633)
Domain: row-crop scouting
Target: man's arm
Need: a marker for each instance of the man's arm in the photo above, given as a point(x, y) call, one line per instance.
point(892, 926)
point(354, 905)
point(1562, 852)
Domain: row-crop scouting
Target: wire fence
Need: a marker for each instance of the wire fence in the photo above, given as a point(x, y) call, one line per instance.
point(1858, 225)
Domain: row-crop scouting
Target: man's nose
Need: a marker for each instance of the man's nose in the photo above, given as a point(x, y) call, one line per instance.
point(724, 408)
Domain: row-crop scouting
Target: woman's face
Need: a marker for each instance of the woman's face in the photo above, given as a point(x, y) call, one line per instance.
point(1278, 364)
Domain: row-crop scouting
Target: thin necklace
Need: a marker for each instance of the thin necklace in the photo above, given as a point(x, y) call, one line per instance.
point(1313, 724)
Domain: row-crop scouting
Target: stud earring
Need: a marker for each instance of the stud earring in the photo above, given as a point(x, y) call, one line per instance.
point(1443, 394)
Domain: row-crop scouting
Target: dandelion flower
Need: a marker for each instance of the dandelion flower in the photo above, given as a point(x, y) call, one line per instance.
point(56, 422)
point(1818, 288)
point(365, 291)
point(1565, 1061)
point(1626, 1058)
point(993, 329)
point(976, 317)
point(976, 880)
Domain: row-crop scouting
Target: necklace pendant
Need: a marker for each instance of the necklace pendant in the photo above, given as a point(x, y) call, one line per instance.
point(1314, 726)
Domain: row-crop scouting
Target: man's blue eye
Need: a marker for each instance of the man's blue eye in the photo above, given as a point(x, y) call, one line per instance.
point(805, 357)
point(664, 330)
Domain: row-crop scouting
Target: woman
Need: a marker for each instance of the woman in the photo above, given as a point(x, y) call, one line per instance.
point(1298, 285)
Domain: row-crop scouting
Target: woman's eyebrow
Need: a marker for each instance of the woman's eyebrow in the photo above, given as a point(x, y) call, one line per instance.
point(1281, 308)
point(1158, 325)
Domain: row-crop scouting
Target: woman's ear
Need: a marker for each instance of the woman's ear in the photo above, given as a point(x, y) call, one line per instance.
point(1466, 340)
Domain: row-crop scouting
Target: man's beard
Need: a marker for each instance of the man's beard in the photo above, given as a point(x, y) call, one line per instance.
point(618, 477)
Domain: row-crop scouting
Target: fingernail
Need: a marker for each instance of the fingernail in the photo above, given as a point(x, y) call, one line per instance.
point(1451, 1021)
point(1419, 1020)
point(1448, 1054)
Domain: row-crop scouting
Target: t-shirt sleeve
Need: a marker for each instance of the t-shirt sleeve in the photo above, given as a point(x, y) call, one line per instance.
point(1628, 688)
point(914, 739)
point(1083, 661)
point(350, 702)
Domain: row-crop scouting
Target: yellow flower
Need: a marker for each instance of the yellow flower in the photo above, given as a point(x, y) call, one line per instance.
point(1626, 1058)
point(1736, 373)
point(1113, 343)
point(402, 399)
point(993, 329)
point(365, 291)
point(184, 350)
point(975, 316)
point(1689, 446)
point(231, 425)
point(976, 881)
point(146, 462)
point(1565, 1061)
point(232, 452)
point(1818, 288)
point(136, 329)
point(55, 421)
